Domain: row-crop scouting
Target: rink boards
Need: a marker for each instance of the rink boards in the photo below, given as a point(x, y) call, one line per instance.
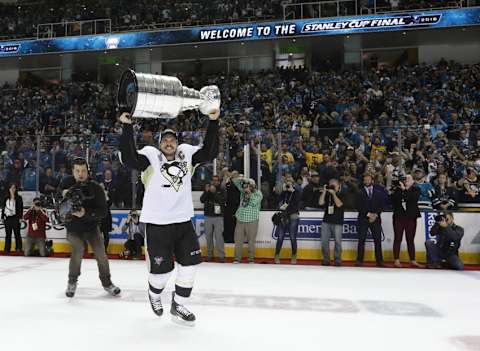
point(309, 232)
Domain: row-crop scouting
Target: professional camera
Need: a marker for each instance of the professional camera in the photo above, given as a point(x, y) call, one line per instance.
point(73, 202)
point(45, 201)
point(331, 187)
point(440, 217)
point(398, 178)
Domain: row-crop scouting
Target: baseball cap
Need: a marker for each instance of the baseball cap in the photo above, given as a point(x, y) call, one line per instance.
point(168, 131)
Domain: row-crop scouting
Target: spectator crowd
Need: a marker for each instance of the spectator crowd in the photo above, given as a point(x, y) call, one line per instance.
point(306, 126)
point(20, 19)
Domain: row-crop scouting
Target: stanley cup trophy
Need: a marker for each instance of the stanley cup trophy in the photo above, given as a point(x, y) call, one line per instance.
point(155, 96)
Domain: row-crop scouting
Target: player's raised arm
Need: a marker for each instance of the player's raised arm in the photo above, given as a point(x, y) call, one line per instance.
point(128, 151)
point(210, 144)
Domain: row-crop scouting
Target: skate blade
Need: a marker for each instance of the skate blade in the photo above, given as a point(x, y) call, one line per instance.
point(180, 321)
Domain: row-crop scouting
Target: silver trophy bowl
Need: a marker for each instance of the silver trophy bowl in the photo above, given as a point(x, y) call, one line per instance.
point(154, 96)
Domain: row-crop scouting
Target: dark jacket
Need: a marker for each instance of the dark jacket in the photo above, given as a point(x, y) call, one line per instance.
point(106, 224)
point(95, 206)
point(409, 197)
point(292, 199)
point(448, 239)
point(365, 204)
point(210, 200)
point(338, 215)
point(311, 195)
point(233, 198)
point(446, 195)
point(18, 207)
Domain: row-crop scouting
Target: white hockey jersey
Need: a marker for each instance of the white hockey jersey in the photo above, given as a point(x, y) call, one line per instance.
point(168, 186)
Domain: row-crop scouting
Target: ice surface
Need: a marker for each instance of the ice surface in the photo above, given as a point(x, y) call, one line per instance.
point(241, 307)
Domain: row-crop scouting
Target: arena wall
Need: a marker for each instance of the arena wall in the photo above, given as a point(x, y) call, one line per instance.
point(308, 236)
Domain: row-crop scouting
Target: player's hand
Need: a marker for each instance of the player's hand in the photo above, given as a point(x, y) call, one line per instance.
point(125, 118)
point(213, 116)
point(80, 213)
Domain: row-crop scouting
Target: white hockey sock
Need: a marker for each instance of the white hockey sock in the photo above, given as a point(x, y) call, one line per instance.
point(157, 283)
point(184, 283)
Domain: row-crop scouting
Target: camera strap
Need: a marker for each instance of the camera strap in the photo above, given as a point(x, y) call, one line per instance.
point(289, 198)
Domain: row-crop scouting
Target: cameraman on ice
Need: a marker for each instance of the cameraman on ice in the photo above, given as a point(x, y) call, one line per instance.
point(136, 235)
point(290, 217)
point(442, 248)
point(331, 199)
point(83, 207)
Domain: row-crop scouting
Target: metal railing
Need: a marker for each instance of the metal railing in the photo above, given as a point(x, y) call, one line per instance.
point(320, 9)
point(339, 8)
point(187, 24)
point(269, 166)
point(74, 28)
point(304, 10)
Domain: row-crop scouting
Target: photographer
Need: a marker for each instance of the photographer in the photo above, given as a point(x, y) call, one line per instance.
point(331, 199)
point(87, 203)
point(213, 199)
point(37, 218)
point(248, 214)
point(136, 235)
point(443, 247)
point(289, 204)
point(405, 213)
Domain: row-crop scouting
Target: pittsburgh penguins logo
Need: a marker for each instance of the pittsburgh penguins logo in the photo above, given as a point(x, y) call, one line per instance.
point(174, 173)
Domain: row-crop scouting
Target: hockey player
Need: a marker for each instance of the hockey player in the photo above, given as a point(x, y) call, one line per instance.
point(167, 210)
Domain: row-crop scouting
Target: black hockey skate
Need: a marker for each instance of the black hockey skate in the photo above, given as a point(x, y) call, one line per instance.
point(112, 290)
point(71, 288)
point(156, 304)
point(180, 314)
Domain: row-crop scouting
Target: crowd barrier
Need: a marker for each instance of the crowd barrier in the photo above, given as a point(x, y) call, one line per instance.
point(309, 233)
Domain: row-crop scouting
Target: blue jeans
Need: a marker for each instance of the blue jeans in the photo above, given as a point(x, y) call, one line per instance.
point(435, 256)
point(292, 228)
point(329, 230)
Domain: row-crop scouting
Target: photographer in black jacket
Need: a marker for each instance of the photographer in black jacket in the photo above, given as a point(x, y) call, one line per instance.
point(405, 213)
point(82, 225)
point(289, 205)
point(213, 199)
point(332, 199)
point(443, 247)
